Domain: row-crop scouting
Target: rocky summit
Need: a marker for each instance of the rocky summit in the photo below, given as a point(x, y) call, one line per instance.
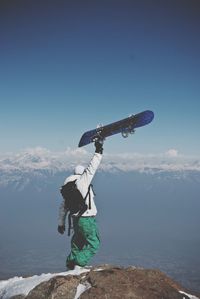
point(110, 282)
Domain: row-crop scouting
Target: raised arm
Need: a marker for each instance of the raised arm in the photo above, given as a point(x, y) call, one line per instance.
point(85, 179)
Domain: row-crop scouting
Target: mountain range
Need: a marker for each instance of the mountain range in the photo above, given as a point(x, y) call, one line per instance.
point(40, 164)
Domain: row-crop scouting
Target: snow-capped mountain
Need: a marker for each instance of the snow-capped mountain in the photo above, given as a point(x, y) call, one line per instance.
point(41, 164)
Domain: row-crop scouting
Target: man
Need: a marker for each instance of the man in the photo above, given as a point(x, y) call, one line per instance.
point(85, 241)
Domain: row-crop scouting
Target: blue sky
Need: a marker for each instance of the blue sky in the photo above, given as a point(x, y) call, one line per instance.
point(66, 66)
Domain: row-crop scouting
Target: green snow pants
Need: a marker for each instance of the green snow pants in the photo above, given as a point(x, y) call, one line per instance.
point(85, 241)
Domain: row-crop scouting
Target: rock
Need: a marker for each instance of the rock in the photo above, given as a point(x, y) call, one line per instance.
point(130, 283)
point(18, 297)
point(110, 282)
point(59, 287)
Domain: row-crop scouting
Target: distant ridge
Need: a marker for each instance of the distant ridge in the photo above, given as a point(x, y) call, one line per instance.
point(42, 159)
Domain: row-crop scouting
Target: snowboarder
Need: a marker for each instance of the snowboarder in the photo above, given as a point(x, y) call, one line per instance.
point(85, 241)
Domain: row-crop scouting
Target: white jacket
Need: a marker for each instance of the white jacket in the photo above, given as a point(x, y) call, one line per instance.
point(83, 182)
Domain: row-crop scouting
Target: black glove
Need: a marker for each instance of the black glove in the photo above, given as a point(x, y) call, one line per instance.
point(61, 229)
point(99, 146)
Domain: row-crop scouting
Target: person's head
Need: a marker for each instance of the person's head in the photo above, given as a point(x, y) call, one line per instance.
point(79, 169)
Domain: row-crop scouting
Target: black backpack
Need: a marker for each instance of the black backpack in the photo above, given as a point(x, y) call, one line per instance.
point(74, 201)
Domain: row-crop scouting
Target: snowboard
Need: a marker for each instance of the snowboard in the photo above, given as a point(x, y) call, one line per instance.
point(124, 126)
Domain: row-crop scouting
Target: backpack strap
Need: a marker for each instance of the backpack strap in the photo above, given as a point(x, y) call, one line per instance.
point(88, 193)
point(69, 223)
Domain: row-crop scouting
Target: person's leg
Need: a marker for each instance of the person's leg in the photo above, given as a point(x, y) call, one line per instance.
point(85, 241)
point(77, 243)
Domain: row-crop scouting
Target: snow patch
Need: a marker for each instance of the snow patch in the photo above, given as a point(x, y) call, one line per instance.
point(22, 286)
point(190, 296)
point(81, 289)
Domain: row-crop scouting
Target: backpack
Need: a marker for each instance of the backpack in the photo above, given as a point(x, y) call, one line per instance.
point(74, 201)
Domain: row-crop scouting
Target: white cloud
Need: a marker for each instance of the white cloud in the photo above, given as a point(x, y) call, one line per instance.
point(168, 161)
point(41, 158)
point(172, 153)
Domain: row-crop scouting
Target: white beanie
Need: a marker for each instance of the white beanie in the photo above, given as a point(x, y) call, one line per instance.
point(79, 169)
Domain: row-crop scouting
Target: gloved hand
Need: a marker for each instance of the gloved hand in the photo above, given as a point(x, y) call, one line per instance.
point(99, 146)
point(61, 229)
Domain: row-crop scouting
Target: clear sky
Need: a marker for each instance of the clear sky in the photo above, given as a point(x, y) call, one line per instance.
point(66, 66)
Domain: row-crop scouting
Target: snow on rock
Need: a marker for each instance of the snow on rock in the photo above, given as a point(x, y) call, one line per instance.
point(81, 289)
point(188, 295)
point(22, 286)
point(96, 283)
